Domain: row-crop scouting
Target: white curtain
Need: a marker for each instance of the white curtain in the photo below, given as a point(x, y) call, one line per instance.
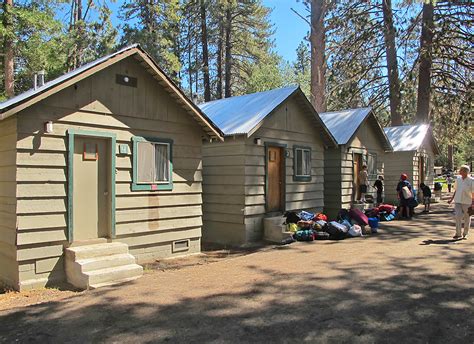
point(161, 163)
point(145, 162)
point(307, 162)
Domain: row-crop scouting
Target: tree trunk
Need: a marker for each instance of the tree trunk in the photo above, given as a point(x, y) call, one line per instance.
point(220, 47)
point(8, 49)
point(205, 54)
point(318, 58)
point(392, 64)
point(450, 157)
point(424, 77)
point(228, 54)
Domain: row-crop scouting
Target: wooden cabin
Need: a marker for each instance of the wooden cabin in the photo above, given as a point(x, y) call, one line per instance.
point(104, 157)
point(361, 141)
point(414, 151)
point(271, 161)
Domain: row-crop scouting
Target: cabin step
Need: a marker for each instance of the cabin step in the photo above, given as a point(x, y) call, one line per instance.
point(98, 265)
point(274, 230)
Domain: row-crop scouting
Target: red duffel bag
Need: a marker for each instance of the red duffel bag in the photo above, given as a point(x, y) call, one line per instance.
point(358, 216)
point(388, 208)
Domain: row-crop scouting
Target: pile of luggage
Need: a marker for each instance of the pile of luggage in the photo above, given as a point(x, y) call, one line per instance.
point(307, 226)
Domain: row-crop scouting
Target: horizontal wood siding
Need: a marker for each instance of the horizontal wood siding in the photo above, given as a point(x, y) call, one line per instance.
point(397, 163)
point(8, 204)
point(288, 125)
point(333, 185)
point(223, 191)
point(98, 103)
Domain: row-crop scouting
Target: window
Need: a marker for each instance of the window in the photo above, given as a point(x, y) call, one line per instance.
point(302, 163)
point(427, 166)
point(372, 164)
point(152, 164)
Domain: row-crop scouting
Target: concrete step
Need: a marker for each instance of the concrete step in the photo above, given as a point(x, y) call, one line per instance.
point(113, 275)
point(96, 250)
point(106, 284)
point(111, 261)
point(274, 230)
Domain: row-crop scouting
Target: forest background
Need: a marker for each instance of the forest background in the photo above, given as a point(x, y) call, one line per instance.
point(412, 61)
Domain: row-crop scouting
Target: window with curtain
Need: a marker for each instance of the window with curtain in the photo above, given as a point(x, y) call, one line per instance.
point(302, 163)
point(152, 164)
point(372, 164)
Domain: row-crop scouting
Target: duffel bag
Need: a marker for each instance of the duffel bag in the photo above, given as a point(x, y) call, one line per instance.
point(304, 235)
point(358, 216)
point(336, 230)
point(388, 208)
point(319, 235)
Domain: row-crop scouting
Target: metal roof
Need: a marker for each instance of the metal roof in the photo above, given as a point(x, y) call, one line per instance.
point(31, 96)
point(33, 92)
point(343, 124)
point(407, 137)
point(239, 115)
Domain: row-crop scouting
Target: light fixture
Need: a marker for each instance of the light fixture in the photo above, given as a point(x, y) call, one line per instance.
point(257, 141)
point(48, 127)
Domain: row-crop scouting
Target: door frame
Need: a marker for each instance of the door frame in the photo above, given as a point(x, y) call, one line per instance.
point(112, 138)
point(355, 177)
point(283, 173)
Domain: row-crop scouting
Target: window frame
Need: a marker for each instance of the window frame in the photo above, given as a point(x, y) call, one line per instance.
point(304, 177)
point(156, 186)
point(370, 173)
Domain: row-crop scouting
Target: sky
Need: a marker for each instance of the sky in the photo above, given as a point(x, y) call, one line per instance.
point(290, 29)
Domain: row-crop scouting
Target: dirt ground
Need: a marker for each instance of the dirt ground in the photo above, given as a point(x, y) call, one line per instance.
point(411, 283)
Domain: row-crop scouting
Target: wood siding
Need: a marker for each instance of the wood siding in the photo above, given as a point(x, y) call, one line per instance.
point(8, 204)
point(340, 185)
point(234, 176)
point(148, 221)
point(407, 162)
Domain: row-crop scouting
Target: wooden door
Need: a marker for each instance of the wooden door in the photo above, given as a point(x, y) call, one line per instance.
point(357, 166)
point(91, 183)
point(275, 178)
point(421, 170)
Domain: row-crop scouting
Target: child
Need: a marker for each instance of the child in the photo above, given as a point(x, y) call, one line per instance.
point(426, 197)
point(363, 183)
point(379, 186)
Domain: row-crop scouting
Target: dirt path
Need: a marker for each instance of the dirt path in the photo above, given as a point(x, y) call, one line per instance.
point(408, 284)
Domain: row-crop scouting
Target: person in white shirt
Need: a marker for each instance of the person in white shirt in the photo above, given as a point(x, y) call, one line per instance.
point(463, 199)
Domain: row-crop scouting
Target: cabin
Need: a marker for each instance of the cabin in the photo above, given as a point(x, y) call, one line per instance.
point(271, 161)
point(100, 169)
point(361, 141)
point(414, 151)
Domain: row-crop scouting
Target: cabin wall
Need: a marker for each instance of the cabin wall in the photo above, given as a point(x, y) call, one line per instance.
point(397, 163)
point(335, 181)
point(8, 264)
point(148, 221)
point(224, 191)
point(290, 126)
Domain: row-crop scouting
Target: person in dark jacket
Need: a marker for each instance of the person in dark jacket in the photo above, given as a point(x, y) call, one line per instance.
point(379, 186)
point(406, 210)
point(426, 197)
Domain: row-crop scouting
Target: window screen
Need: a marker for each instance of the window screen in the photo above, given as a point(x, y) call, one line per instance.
point(372, 164)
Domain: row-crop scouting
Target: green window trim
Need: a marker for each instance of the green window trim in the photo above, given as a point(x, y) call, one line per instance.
point(71, 133)
point(151, 186)
point(303, 177)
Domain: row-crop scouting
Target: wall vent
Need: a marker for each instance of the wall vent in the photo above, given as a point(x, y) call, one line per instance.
point(181, 245)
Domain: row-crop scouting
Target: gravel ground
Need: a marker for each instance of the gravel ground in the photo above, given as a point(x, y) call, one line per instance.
point(408, 284)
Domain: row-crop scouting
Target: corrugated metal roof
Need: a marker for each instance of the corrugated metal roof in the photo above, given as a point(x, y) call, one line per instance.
point(239, 115)
point(407, 137)
point(33, 92)
point(343, 124)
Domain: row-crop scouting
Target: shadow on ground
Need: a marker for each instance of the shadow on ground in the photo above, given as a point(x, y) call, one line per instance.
point(403, 301)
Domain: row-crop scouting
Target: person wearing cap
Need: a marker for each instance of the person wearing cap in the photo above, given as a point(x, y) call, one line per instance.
point(463, 198)
point(404, 202)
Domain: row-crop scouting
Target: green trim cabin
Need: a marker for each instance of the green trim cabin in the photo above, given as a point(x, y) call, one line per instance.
point(99, 169)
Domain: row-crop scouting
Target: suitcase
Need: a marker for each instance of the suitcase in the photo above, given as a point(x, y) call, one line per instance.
point(336, 230)
point(358, 216)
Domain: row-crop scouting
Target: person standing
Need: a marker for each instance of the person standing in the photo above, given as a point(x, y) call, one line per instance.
point(379, 186)
point(449, 181)
point(405, 196)
point(463, 199)
point(363, 183)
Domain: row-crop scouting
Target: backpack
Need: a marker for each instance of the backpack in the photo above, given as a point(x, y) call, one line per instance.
point(343, 215)
point(320, 216)
point(373, 222)
point(406, 192)
point(291, 217)
point(320, 225)
point(304, 235)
